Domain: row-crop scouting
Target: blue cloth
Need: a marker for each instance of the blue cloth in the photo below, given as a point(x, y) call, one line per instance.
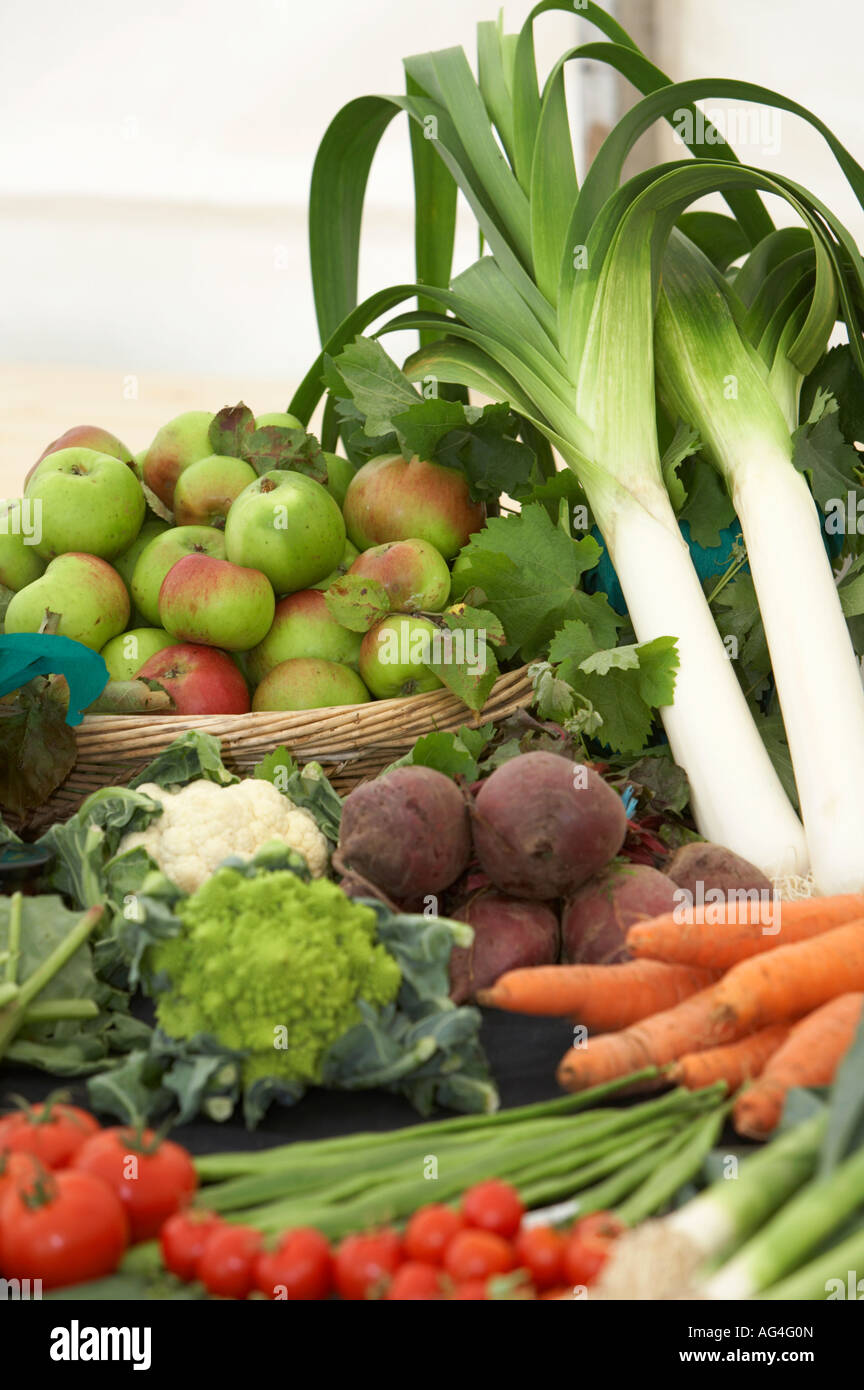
point(24, 655)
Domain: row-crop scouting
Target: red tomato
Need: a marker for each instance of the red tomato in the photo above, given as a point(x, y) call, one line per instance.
point(472, 1290)
point(16, 1170)
point(477, 1255)
point(589, 1246)
point(153, 1178)
point(299, 1269)
point(183, 1237)
point(540, 1250)
point(52, 1132)
point(415, 1282)
point(366, 1263)
point(430, 1231)
point(493, 1206)
point(226, 1266)
point(62, 1228)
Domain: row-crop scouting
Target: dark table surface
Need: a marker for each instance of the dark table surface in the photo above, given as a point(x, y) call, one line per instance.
point(523, 1054)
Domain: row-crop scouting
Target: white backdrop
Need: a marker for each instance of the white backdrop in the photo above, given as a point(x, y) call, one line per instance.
point(154, 166)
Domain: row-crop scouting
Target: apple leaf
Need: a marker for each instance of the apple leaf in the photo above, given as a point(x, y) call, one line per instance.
point(38, 749)
point(357, 603)
point(461, 615)
point(620, 687)
point(529, 573)
point(230, 429)
point(133, 697)
point(281, 446)
point(466, 662)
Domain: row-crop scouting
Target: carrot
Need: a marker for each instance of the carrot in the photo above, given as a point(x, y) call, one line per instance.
point(657, 1040)
point(717, 945)
point(735, 1063)
point(810, 1056)
point(602, 997)
point(792, 980)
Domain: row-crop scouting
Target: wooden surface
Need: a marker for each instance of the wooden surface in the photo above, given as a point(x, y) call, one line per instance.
point(38, 403)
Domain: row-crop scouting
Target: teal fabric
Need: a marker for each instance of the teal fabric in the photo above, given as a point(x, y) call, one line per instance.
point(24, 655)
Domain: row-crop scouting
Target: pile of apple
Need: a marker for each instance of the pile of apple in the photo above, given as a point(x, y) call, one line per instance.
point(188, 568)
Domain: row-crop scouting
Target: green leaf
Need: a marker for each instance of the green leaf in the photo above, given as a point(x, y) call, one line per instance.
point(832, 467)
point(357, 603)
point(708, 509)
point(773, 734)
point(281, 447)
point(188, 757)
point(738, 616)
point(455, 755)
point(462, 616)
point(377, 387)
point(838, 374)
point(231, 429)
point(467, 665)
point(38, 749)
point(684, 443)
point(661, 785)
point(529, 572)
point(623, 685)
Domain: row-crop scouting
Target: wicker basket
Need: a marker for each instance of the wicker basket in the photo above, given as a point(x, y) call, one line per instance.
point(352, 741)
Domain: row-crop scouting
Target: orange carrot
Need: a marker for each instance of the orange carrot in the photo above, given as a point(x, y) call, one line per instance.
point(792, 980)
point(602, 997)
point(657, 1040)
point(810, 1056)
point(735, 1063)
point(750, 930)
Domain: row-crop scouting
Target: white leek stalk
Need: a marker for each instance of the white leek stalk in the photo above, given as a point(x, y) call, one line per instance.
point(737, 799)
point(714, 381)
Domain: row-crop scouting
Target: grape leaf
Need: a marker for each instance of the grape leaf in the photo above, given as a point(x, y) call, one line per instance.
point(371, 378)
point(623, 685)
point(529, 571)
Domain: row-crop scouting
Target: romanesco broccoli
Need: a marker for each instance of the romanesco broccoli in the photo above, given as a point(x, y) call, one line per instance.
point(274, 966)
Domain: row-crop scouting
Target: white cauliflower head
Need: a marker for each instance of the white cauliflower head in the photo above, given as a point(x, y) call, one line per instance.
point(203, 823)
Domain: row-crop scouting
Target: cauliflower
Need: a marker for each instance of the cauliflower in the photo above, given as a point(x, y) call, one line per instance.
point(272, 966)
point(203, 823)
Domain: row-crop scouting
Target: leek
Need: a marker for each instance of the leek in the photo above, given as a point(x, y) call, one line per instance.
point(714, 380)
point(835, 1274)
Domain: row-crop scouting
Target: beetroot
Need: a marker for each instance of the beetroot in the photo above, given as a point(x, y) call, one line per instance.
point(543, 825)
point(713, 867)
point(407, 832)
point(509, 933)
point(596, 919)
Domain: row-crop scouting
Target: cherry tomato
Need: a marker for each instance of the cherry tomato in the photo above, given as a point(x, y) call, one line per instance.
point(183, 1237)
point(540, 1250)
point(430, 1231)
point(62, 1228)
point(589, 1246)
point(366, 1263)
point(493, 1206)
point(472, 1290)
point(415, 1282)
point(478, 1254)
point(226, 1266)
point(299, 1269)
point(152, 1177)
point(52, 1132)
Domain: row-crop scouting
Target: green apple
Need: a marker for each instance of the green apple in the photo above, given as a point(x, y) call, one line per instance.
point(216, 604)
point(206, 489)
point(349, 555)
point(289, 527)
point(393, 656)
point(182, 441)
point(309, 683)
point(303, 626)
point(339, 474)
point(390, 499)
point(89, 503)
point(87, 594)
point(414, 574)
point(126, 654)
point(86, 437)
point(280, 418)
point(125, 563)
point(157, 557)
point(20, 563)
